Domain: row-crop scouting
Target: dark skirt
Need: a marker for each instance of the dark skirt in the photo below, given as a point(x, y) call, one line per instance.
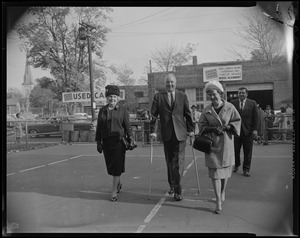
point(114, 155)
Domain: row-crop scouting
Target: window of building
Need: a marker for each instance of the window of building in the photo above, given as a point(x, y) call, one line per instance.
point(139, 94)
point(200, 107)
point(207, 97)
point(181, 90)
point(199, 94)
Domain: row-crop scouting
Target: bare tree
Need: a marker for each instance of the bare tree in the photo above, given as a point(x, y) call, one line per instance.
point(260, 37)
point(124, 74)
point(169, 56)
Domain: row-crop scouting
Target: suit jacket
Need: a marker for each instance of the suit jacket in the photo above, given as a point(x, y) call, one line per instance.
point(177, 119)
point(249, 115)
point(118, 126)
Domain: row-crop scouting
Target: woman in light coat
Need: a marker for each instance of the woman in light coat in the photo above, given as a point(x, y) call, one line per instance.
point(220, 121)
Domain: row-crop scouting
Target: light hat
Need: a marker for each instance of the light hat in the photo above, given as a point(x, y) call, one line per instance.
point(214, 84)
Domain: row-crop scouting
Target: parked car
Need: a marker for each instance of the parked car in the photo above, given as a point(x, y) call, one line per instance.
point(81, 115)
point(53, 126)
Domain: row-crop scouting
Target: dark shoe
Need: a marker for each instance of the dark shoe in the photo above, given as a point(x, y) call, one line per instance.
point(177, 197)
point(171, 191)
point(236, 168)
point(119, 187)
point(114, 198)
point(218, 209)
point(246, 174)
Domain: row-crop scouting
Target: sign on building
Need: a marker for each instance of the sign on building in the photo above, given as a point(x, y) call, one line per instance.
point(222, 73)
point(99, 96)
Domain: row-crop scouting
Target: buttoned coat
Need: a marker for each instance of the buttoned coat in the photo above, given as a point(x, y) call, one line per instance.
point(222, 153)
point(177, 118)
point(119, 126)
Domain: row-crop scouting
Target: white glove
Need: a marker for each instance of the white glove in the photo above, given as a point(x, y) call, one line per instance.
point(191, 134)
point(153, 136)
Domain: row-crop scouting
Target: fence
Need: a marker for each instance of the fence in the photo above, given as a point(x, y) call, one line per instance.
point(275, 129)
point(272, 129)
point(141, 132)
point(70, 131)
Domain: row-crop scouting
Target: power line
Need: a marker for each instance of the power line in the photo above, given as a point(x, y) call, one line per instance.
point(128, 34)
point(159, 17)
point(135, 21)
point(130, 60)
point(179, 18)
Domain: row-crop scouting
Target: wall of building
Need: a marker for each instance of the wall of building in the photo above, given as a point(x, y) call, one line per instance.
point(255, 76)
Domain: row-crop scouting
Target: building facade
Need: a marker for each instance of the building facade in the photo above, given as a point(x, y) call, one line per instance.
point(267, 85)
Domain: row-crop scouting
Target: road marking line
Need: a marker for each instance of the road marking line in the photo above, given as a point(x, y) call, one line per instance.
point(154, 210)
point(56, 162)
point(159, 204)
point(188, 167)
point(140, 229)
point(75, 157)
point(32, 168)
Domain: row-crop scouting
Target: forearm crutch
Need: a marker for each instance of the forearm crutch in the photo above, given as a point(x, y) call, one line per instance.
point(151, 157)
point(196, 169)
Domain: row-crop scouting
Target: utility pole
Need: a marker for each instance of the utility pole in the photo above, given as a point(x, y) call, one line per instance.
point(150, 66)
point(83, 35)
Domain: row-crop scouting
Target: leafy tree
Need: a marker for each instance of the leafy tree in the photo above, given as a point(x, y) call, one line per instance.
point(124, 74)
point(16, 93)
point(13, 93)
point(169, 56)
point(46, 83)
point(52, 42)
point(40, 97)
point(261, 37)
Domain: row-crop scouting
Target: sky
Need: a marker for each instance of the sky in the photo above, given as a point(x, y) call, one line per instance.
point(138, 31)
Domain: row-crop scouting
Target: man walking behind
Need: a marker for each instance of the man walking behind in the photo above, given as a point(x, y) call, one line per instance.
point(249, 115)
point(172, 107)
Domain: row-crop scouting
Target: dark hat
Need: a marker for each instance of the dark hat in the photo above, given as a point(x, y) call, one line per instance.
point(112, 90)
point(193, 106)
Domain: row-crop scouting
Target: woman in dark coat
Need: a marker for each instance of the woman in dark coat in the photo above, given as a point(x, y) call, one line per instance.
point(113, 124)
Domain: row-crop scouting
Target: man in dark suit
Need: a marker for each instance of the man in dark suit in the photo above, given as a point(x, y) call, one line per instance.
point(249, 114)
point(172, 107)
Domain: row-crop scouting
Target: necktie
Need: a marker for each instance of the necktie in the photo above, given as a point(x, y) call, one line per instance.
point(242, 102)
point(172, 100)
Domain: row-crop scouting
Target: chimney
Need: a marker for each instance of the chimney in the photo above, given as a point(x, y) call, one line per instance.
point(194, 60)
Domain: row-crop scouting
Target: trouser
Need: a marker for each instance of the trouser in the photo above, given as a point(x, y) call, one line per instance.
point(247, 143)
point(175, 154)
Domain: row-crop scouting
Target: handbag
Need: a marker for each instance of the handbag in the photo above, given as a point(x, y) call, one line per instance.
point(126, 142)
point(203, 143)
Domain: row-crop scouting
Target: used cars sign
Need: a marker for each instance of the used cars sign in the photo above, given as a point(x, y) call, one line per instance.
point(86, 96)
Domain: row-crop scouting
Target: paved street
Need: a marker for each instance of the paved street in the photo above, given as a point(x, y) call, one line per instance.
point(65, 188)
